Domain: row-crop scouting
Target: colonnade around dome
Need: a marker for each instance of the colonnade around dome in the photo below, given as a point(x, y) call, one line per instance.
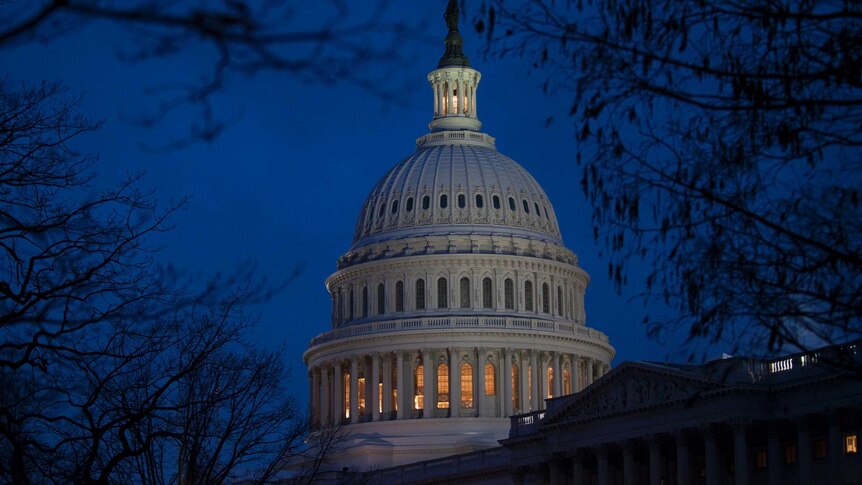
point(420, 383)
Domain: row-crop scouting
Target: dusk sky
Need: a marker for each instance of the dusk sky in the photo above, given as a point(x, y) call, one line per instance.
point(284, 184)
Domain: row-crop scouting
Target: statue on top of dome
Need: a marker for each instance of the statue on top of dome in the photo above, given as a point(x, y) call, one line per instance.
point(451, 15)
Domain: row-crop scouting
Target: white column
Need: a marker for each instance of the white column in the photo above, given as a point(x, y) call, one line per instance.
point(324, 396)
point(315, 395)
point(740, 454)
point(576, 373)
point(354, 389)
point(523, 372)
point(558, 374)
point(436, 90)
point(537, 376)
point(479, 388)
point(682, 465)
point(454, 383)
point(387, 386)
point(338, 393)
point(430, 392)
point(589, 380)
point(403, 400)
point(375, 386)
point(507, 396)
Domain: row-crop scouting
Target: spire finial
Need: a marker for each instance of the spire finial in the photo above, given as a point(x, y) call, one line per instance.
point(454, 54)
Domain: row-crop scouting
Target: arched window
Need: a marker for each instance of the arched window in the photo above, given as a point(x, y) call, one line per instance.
point(352, 305)
point(487, 295)
point(490, 380)
point(399, 296)
point(512, 204)
point(364, 301)
point(465, 292)
point(381, 211)
point(419, 387)
point(509, 294)
point(496, 202)
point(346, 387)
point(538, 212)
point(444, 201)
point(466, 386)
point(409, 205)
point(442, 386)
point(381, 299)
point(420, 294)
point(546, 212)
point(567, 381)
point(526, 206)
point(560, 301)
point(516, 391)
point(528, 296)
point(426, 203)
point(550, 386)
point(462, 201)
point(394, 206)
point(480, 202)
point(546, 298)
point(442, 293)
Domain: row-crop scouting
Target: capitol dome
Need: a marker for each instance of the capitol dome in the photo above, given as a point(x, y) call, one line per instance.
point(457, 307)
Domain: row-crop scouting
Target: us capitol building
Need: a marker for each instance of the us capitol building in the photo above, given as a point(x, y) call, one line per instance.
point(458, 305)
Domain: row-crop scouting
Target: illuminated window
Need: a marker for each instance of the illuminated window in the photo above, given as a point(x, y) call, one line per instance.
point(465, 292)
point(394, 206)
point(546, 298)
point(462, 201)
point(466, 386)
point(393, 380)
point(790, 454)
point(490, 380)
point(819, 449)
point(850, 444)
point(444, 201)
point(509, 294)
point(567, 382)
point(361, 388)
point(496, 201)
point(419, 386)
point(381, 299)
point(526, 206)
point(399, 296)
point(346, 395)
point(550, 382)
point(480, 202)
point(442, 293)
point(512, 204)
point(529, 397)
point(559, 301)
point(516, 391)
point(426, 202)
point(379, 397)
point(760, 459)
point(487, 296)
point(420, 294)
point(364, 301)
point(409, 205)
point(442, 386)
point(528, 296)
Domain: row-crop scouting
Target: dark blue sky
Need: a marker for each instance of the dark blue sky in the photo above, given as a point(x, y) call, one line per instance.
point(284, 184)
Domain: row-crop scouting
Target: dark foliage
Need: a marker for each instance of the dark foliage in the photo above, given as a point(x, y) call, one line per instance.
point(720, 142)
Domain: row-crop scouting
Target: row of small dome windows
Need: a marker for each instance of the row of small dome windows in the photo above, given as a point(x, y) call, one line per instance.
point(443, 297)
point(462, 203)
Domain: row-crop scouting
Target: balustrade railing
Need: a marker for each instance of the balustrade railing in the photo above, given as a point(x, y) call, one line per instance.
point(518, 323)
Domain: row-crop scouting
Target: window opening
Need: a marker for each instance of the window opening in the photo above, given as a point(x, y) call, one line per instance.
point(442, 386)
point(420, 294)
point(486, 293)
point(444, 201)
point(465, 292)
point(462, 201)
point(526, 206)
point(442, 293)
point(419, 386)
point(466, 386)
point(409, 205)
point(546, 298)
point(394, 206)
point(381, 299)
point(512, 204)
point(480, 203)
point(490, 380)
point(509, 294)
point(399, 296)
point(364, 301)
point(528, 296)
point(496, 201)
point(381, 211)
point(426, 203)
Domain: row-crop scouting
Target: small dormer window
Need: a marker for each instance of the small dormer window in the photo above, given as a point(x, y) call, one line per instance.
point(546, 212)
point(538, 212)
point(394, 206)
point(455, 101)
point(496, 201)
point(462, 201)
point(426, 203)
point(381, 211)
point(444, 201)
point(526, 206)
point(409, 205)
point(479, 201)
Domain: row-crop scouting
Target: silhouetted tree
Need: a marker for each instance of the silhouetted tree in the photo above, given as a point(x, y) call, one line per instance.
point(112, 368)
point(327, 41)
point(720, 142)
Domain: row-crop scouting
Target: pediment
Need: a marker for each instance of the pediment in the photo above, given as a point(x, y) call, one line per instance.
point(631, 386)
